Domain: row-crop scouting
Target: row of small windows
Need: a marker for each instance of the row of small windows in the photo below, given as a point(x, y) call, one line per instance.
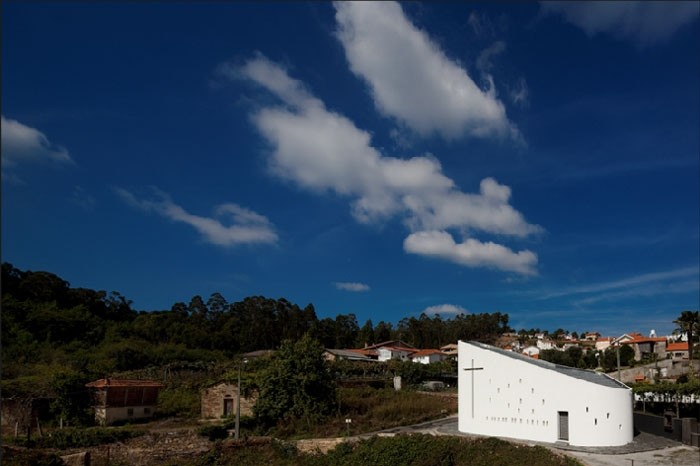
point(514, 420)
point(520, 401)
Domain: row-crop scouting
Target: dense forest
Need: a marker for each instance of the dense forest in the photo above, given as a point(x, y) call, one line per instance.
point(48, 325)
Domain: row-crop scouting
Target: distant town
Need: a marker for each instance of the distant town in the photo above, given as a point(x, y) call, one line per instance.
point(82, 369)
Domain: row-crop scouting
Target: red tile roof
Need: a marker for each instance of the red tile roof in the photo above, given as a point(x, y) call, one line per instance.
point(426, 352)
point(682, 346)
point(105, 383)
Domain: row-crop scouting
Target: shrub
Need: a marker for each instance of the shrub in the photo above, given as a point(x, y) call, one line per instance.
point(213, 432)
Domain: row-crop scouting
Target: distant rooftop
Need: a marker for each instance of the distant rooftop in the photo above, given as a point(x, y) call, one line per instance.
point(583, 374)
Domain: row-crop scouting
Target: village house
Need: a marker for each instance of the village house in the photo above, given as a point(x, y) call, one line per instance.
point(427, 356)
point(218, 400)
point(387, 353)
point(346, 354)
point(531, 351)
point(116, 400)
point(678, 351)
point(644, 347)
point(545, 344)
point(449, 350)
point(505, 394)
point(387, 350)
point(603, 343)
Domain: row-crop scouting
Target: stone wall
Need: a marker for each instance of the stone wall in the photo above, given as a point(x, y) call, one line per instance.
point(665, 368)
point(214, 404)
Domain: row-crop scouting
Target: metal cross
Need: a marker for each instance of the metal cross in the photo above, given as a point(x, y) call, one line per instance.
point(472, 369)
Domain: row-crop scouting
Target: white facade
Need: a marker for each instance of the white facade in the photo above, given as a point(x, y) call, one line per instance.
point(386, 353)
point(428, 358)
point(111, 414)
point(505, 394)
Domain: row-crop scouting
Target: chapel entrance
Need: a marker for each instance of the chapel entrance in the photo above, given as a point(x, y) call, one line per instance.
point(564, 426)
point(228, 407)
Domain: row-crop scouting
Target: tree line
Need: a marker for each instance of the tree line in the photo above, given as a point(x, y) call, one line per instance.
point(47, 322)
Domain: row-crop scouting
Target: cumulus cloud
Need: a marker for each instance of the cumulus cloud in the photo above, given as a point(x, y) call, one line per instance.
point(450, 309)
point(232, 225)
point(410, 77)
point(642, 22)
point(472, 253)
point(324, 151)
point(21, 143)
point(352, 286)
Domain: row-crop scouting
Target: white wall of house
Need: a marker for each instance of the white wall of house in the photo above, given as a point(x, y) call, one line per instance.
point(385, 354)
point(110, 415)
point(428, 358)
point(518, 397)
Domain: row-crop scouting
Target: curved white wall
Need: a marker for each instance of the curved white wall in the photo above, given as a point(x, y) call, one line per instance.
point(517, 399)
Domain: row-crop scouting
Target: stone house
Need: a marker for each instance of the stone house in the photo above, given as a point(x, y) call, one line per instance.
point(218, 401)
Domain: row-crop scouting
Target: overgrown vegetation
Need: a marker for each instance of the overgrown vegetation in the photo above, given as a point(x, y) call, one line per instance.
point(405, 450)
point(79, 437)
point(57, 338)
point(370, 410)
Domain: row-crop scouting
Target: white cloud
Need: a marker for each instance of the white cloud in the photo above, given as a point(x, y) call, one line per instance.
point(450, 309)
point(642, 22)
point(636, 283)
point(243, 226)
point(352, 286)
point(485, 61)
point(471, 253)
point(21, 143)
point(324, 151)
point(411, 79)
point(520, 94)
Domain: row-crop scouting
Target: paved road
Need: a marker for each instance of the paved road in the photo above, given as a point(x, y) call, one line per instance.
point(646, 450)
point(673, 456)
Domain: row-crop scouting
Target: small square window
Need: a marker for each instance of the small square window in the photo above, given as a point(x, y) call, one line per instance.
point(130, 411)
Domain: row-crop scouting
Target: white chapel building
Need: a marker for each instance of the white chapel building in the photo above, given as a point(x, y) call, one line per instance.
point(506, 394)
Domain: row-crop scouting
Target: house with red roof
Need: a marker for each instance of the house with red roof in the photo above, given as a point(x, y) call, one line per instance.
point(428, 356)
point(117, 400)
point(644, 347)
point(402, 353)
point(678, 351)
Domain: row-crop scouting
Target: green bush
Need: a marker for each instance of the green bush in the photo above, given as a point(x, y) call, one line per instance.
point(179, 401)
point(213, 432)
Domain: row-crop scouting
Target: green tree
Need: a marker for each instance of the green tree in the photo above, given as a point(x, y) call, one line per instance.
point(366, 335)
point(687, 322)
point(72, 402)
point(297, 384)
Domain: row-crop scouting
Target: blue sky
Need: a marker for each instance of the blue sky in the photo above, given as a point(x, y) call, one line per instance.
point(381, 159)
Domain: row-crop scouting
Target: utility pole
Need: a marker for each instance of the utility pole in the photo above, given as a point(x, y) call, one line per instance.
point(238, 401)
